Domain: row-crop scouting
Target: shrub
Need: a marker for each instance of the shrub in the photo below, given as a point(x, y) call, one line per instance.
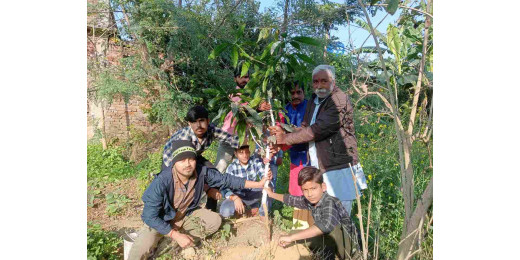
point(102, 244)
point(108, 165)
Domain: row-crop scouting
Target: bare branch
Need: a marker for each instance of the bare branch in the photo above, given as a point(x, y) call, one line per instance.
point(421, 69)
point(409, 8)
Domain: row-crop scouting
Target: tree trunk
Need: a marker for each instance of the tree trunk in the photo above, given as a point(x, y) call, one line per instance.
point(407, 244)
point(285, 17)
point(103, 131)
point(327, 38)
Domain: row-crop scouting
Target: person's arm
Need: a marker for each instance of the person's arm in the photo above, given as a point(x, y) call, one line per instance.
point(304, 234)
point(326, 124)
point(224, 136)
point(276, 196)
point(153, 204)
point(215, 179)
point(225, 191)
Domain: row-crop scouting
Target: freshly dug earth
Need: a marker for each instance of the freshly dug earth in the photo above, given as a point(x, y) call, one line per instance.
point(248, 238)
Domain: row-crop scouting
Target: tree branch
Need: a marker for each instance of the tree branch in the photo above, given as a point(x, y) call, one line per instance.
point(421, 69)
point(409, 8)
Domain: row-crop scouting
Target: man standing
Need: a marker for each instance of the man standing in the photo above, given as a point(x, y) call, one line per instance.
point(328, 128)
point(225, 151)
point(302, 218)
point(171, 202)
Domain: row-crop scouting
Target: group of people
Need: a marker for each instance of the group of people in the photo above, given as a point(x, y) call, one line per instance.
point(323, 154)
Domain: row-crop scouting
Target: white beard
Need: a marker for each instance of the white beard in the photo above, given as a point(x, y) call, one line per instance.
point(323, 93)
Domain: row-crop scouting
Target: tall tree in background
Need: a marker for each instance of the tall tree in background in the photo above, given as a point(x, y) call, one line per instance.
point(410, 47)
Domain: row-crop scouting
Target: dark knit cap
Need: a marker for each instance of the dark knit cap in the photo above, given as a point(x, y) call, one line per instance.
point(182, 149)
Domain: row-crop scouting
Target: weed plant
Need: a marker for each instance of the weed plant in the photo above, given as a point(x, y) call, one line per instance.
point(102, 244)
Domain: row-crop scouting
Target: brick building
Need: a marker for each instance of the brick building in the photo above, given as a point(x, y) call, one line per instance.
point(104, 48)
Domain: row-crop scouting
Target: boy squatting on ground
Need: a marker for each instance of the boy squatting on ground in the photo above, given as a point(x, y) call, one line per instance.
point(171, 202)
point(251, 168)
point(333, 232)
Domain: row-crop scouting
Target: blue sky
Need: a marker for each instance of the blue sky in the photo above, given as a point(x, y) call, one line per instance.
point(358, 35)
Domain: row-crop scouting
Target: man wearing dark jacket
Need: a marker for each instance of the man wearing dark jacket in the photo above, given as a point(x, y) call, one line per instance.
point(328, 128)
point(171, 202)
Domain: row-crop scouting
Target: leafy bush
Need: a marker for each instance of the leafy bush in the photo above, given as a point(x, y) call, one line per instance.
point(108, 165)
point(115, 203)
point(102, 244)
point(379, 157)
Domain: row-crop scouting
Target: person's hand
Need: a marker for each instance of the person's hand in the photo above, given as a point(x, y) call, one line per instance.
point(269, 191)
point(264, 106)
point(285, 241)
point(269, 174)
point(273, 130)
point(182, 239)
point(266, 161)
point(273, 150)
point(261, 183)
point(276, 147)
point(214, 194)
point(239, 205)
point(279, 161)
point(280, 134)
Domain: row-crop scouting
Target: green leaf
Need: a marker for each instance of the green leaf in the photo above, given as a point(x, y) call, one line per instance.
point(394, 44)
point(240, 31)
point(274, 46)
point(392, 5)
point(307, 40)
point(241, 131)
point(244, 54)
point(264, 84)
point(234, 56)
point(210, 91)
point(256, 101)
point(305, 58)
point(264, 33)
point(234, 108)
point(219, 49)
point(295, 45)
point(287, 127)
point(245, 68)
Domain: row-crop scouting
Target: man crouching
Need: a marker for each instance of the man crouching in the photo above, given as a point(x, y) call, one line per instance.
point(171, 202)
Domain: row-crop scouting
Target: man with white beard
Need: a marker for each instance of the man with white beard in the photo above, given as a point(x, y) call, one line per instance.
point(328, 127)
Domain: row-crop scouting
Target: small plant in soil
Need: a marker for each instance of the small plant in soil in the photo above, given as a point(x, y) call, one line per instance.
point(92, 194)
point(225, 232)
point(115, 203)
point(102, 244)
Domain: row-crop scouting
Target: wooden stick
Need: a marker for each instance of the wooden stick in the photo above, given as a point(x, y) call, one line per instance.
point(360, 214)
point(368, 220)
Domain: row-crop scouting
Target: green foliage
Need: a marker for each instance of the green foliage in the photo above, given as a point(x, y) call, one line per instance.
point(92, 194)
point(275, 62)
point(378, 153)
point(102, 244)
point(225, 232)
point(107, 165)
point(115, 203)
